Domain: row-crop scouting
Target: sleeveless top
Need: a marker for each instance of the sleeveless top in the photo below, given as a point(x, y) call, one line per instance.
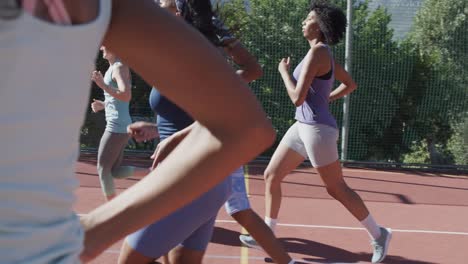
point(117, 111)
point(315, 109)
point(43, 98)
point(172, 118)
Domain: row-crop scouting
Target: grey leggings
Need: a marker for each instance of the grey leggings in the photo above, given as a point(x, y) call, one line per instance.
point(110, 156)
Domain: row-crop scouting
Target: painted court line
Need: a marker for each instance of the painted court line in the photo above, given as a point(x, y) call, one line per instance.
point(357, 228)
point(114, 251)
point(360, 228)
point(244, 254)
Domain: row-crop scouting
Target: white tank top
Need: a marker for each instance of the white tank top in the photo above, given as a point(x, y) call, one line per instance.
point(44, 87)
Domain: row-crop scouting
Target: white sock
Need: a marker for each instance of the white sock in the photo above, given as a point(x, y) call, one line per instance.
point(372, 227)
point(291, 262)
point(271, 223)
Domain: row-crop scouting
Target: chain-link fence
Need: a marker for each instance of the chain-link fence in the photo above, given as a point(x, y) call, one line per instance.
point(409, 59)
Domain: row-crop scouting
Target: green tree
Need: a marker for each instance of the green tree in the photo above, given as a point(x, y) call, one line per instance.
point(458, 142)
point(271, 30)
point(440, 40)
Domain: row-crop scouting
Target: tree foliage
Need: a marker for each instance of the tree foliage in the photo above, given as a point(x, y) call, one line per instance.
point(411, 103)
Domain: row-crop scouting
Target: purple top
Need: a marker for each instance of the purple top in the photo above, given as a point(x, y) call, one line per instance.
point(315, 109)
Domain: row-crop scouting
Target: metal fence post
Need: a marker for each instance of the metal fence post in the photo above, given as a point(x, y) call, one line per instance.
point(348, 57)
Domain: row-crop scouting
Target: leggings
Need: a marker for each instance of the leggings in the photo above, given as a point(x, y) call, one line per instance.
point(110, 155)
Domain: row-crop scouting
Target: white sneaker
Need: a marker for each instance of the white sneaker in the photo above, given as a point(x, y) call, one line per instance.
point(381, 245)
point(249, 241)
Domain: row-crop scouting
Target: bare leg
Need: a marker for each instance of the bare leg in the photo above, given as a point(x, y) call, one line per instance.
point(130, 256)
point(182, 255)
point(164, 259)
point(263, 235)
point(283, 161)
point(332, 176)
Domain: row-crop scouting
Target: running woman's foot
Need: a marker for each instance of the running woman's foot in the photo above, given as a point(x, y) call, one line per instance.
point(381, 245)
point(249, 241)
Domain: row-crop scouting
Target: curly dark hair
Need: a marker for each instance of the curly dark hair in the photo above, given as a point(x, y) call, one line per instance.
point(200, 14)
point(332, 20)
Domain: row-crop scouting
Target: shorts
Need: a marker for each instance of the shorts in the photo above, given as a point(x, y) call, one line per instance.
point(316, 142)
point(191, 226)
point(238, 201)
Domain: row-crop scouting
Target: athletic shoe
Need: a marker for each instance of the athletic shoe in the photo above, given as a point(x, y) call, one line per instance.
point(249, 241)
point(381, 245)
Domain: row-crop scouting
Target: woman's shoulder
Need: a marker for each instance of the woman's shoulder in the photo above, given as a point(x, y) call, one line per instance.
point(318, 52)
point(117, 65)
point(320, 48)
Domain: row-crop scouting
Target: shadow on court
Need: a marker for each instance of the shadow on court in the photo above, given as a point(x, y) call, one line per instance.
point(225, 236)
point(317, 252)
point(323, 253)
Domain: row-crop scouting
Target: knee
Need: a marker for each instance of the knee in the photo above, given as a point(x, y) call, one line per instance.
point(181, 255)
point(271, 179)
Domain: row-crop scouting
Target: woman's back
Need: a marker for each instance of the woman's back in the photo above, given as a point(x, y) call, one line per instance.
point(40, 59)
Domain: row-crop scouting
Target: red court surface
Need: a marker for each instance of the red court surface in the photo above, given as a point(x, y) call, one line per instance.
point(428, 214)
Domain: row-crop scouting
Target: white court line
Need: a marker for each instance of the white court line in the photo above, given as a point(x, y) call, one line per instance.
point(357, 228)
point(360, 228)
point(114, 251)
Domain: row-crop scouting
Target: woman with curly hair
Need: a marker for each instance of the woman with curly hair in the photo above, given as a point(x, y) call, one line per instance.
point(315, 133)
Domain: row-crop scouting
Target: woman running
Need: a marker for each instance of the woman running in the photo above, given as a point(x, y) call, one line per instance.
point(116, 85)
point(39, 144)
point(315, 133)
point(173, 124)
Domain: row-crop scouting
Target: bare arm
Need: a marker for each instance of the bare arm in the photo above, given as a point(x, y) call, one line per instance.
point(223, 105)
point(121, 75)
point(165, 147)
point(347, 85)
point(315, 59)
point(97, 105)
point(250, 69)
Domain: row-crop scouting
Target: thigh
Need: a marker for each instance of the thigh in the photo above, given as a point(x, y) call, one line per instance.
point(320, 143)
point(160, 237)
point(199, 239)
point(289, 154)
point(110, 148)
point(123, 142)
